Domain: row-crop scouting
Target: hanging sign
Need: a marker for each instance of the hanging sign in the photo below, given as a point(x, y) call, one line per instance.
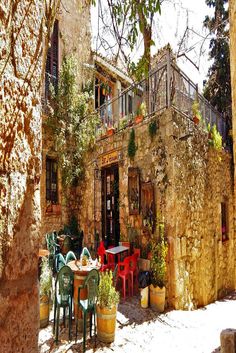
point(110, 158)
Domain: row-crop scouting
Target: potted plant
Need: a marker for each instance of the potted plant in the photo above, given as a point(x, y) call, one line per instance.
point(215, 138)
point(106, 307)
point(110, 131)
point(141, 112)
point(196, 113)
point(45, 285)
point(158, 267)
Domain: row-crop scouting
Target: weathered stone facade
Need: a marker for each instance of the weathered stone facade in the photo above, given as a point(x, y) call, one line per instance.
point(21, 39)
point(190, 180)
point(74, 38)
point(232, 29)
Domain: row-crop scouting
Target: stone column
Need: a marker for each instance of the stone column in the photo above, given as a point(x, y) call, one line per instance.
point(21, 39)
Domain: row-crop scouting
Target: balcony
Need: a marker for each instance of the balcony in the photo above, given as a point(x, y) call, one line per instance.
point(166, 86)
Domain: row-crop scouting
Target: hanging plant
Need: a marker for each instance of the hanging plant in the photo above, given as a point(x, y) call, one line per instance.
point(131, 146)
point(152, 128)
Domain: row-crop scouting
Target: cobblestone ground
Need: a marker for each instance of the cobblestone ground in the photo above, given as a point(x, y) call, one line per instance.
point(144, 331)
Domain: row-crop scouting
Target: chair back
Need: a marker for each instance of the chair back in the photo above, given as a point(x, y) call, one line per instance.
point(60, 262)
point(70, 256)
point(85, 252)
point(125, 265)
point(91, 283)
point(133, 262)
point(64, 285)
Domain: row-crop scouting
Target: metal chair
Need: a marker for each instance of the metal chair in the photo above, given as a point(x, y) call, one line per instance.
point(70, 256)
point(53, 249)
point(59, 262)
point(63, 298)
point(88, 306)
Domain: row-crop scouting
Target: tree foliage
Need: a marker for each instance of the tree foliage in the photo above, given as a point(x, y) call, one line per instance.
point(218, 88)
point(129, 19)
point(72, 122)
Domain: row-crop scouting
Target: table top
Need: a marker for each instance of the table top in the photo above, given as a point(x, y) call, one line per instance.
point(76, 267)
point(117, 249)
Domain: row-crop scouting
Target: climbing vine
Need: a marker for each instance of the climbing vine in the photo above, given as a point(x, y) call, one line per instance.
point(72, 122)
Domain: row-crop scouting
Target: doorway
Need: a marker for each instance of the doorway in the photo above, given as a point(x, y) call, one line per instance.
point(110, 205)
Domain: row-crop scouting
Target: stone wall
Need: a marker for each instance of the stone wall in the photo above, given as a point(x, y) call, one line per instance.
point(74, 38)
point(21, 39)
point(190, 180)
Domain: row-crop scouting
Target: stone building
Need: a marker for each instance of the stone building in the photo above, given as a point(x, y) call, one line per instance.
point(175, 174)
point(232, 28)
point(67, 38)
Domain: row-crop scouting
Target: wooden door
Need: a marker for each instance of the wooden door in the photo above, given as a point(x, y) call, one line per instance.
point(110, 205)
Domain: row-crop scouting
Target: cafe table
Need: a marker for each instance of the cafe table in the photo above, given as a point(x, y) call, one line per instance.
point(117, 250)
point(80, 273)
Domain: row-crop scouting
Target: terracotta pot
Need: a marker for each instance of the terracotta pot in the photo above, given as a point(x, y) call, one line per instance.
point(157, 298)
point(56, 209)
point(138, 119)
point(196, 120)
point(106, 323)
point(110, 131)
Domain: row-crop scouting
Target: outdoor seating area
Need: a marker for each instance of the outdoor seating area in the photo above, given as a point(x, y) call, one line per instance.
point(75, 279)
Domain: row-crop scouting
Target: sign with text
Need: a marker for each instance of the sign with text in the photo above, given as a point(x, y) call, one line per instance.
point(110, 158)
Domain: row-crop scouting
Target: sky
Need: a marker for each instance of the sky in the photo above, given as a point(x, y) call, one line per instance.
point(170, 26)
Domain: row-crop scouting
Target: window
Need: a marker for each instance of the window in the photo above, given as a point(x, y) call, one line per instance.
point(224, 222)
point(103, 95)
point(51, 180)
point(51, 74)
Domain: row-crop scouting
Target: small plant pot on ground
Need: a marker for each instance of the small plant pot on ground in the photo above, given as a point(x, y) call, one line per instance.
point(157, 298)
point(138, 119)
point(106, 323)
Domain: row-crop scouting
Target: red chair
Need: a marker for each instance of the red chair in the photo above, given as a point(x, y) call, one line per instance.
point(124, 274)
point(133, 268)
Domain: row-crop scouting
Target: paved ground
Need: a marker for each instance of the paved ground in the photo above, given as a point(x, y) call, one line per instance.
point(144, 331)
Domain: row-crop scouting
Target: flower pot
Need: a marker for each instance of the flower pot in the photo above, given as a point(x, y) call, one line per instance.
point(56, 209)
point(44, 311)
point(110, 131)
point(196, 120)
point(138, 119)
point(106, 323)
point(157, 298)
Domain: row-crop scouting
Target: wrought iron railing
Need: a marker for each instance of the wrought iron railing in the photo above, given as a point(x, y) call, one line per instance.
point(166, 86)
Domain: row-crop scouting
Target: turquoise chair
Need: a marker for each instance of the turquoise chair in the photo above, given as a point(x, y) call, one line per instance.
point(63, 298)
point(88, 306)
point(59, 262)
point(70, 256)
point(85, 252)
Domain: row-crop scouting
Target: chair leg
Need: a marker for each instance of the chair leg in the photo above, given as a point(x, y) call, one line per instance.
point(70, 319)
point(54, 317)
point(57, 324)
point(84, 331)
point(76, 328)
point(64, 317)
point(90, 324)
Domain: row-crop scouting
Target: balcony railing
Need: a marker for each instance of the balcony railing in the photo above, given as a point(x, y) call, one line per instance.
point(166, 86)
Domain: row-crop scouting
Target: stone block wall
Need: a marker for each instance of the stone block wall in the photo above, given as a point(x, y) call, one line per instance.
point(190, 180)
point(74, 38)
point(21, 40)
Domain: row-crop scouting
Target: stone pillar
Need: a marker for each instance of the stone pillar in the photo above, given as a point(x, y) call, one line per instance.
point(21, 39)
point(228, 341)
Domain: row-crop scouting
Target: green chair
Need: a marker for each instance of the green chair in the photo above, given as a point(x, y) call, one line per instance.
point(63, 298)
point(88, 306)
point(85, 252)
point(53, 249)
point(70, 256)
point(59, 262)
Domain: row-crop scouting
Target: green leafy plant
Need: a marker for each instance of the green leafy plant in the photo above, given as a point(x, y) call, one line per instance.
point(131, 146)
point(72, 122)
point(142, 109)
point(45, 278)
point(107, 294)
point(152, 128)
point(159, 249)
point(215, 139)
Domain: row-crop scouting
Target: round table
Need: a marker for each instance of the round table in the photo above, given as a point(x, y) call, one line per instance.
point(80, 273)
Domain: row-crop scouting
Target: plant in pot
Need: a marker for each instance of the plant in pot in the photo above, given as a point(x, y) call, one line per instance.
point(45, 286)
point(158, 267)
point(106, 307)
point(141, 112)
point(196, 112)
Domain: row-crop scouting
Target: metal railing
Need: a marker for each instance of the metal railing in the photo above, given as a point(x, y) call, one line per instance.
point(166, 86)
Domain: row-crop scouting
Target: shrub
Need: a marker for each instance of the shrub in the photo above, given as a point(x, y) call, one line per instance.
point(107, 294)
